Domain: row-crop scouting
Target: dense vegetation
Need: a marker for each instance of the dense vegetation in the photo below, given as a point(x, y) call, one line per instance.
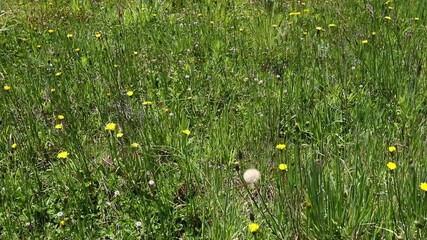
point(138, 119)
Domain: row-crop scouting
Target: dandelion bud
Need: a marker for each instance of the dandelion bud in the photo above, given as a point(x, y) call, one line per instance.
point(237, 166)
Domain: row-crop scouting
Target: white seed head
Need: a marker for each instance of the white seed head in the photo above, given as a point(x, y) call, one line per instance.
point(151, 183)
point(251, 176)
point(138, 224)
point(116, 193)
point(60, 214)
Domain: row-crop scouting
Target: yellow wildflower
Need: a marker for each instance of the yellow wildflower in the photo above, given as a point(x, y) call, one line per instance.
point(63, 155)
point(14, 145)
point(373, 33)
point(6, 87)
point(274, 25)
point(294, 14)
point(135, 53)
point(62, 223)
point(69, 35)
point(319, 28)
point(283, 167)
point(186, 132)
point(61, 117)
point(134, 145)
point(391, 166)
point(364, 41)
point(77, 50)
point(332, 25)
point(423, 186)
point(59, 126)
point(146, 103)
point(50, 31)
point(392, 149)
point(119, 135)
point(98, 35)
point(387, 18)
point(253, 228)
point(281, 146)
point(417, 19)
point(58, 74)
point(129, 93)
point(110, 126)
point(308, 203)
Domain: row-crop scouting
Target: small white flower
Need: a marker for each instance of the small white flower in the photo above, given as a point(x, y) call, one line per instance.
point(251, 176)
point(138, 224)
point(60, 214)
point(151, 183)
point(116, 193)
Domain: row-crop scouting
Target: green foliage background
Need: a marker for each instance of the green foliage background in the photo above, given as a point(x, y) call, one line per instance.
point(242, 76)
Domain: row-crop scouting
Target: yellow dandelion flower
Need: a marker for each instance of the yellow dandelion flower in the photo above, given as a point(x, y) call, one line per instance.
point(52, 90)
point(308, 203)
point(332, 25)
point(373, 33)
point(134, 145)
point(58, 74)
point(119, 135)
point(14, 146)
point(390, 8)
point(319, 28)
point(364, 41)
point(62, 223)
point(61, 117)
point(391, 166)
point(283, 167)
point(110, 126)
point(274, 25)
point(63, 155)
point(98, 35)
point(6, 87)
point(387, 18)
point(39, 46)
point(211, 22)
point(69, 35)
point(392, 149)
point(50, 31)
point(59, 126)
point(186, 132)
point(241, 29)
point(305, 33)
point(253, 228)
point(294, 14)
point(423, 186)
point(115, 66)
point(77, 50)
point(281, 146)
point(109, 94)
point(135, 53)
point(306, 10)
point(199, 15)
point(129, 93)
point(146, 103)
point(416, 18)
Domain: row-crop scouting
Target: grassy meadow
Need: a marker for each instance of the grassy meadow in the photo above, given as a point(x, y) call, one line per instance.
point(139, 119)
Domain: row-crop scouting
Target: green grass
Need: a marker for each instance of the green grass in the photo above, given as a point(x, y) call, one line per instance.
point(243, 77)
